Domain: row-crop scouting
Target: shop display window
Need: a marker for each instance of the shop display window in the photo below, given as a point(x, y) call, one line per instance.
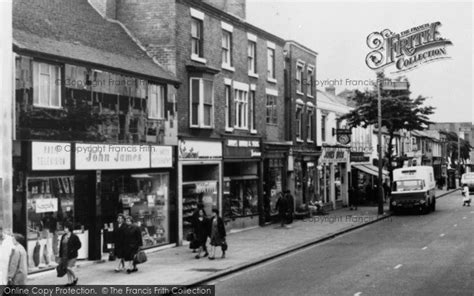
point(274, 184)
point(145, 199)
point(198, 193)
point(240, 197)
point(50, 204)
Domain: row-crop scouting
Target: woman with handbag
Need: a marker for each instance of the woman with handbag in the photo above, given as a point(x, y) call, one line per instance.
point(201, 233)
point(218, 234)
point(119, 242)
point(68, 248)
point(132, 243)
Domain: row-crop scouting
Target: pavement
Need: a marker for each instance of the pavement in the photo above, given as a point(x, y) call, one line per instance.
point(177, 265)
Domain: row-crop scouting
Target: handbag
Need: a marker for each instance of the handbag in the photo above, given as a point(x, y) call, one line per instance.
point(140, 257)
point(224, 246)
point(61, 269)
point(190, 236)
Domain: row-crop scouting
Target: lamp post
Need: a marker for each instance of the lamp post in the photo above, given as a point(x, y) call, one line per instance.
point(459, 156)
point(379, 147)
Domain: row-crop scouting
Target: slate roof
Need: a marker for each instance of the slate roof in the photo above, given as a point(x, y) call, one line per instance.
point(72, 29)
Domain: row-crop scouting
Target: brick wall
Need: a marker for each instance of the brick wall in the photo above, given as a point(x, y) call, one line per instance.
point(235, 7)
point(296, 53)
point(153, 23)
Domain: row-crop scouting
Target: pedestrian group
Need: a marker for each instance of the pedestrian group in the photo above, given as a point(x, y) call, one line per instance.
point(204, 228)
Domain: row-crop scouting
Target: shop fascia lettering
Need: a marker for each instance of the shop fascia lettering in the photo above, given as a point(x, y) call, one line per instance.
point(243, 143)
point(50, 156)
point(334, 155)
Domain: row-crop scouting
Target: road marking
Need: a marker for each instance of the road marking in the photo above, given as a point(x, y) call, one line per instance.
point(424, 248)
point(358, 294)
point(398, 266)
point(442, 234)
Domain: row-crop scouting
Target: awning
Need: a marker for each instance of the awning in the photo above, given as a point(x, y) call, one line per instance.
point(370, 169)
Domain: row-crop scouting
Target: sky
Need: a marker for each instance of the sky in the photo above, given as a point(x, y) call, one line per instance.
point(338, 31)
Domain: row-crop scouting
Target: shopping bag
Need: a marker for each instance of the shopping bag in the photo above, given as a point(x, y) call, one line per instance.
point(140, 257)
point(61, 269)
point(224, 246)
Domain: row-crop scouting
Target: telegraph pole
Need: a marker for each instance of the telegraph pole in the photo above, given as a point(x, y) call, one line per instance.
point(379, 146)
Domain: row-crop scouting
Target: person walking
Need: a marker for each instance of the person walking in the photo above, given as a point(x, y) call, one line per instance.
point(119, 241)
point(282, 208)
point(466, 198)
point(194, 218)
point(132, 243)
point(18, 265)
point(6, 247)
point(291, 206)
point(201, 232)
point(68, 248)
point(218, 234)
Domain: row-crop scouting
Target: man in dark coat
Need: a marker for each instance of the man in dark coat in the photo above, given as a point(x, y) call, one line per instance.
point(282, 207)
point(291, 206)
point(132, 243)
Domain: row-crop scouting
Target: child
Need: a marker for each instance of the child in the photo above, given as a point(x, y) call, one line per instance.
point(466, 199)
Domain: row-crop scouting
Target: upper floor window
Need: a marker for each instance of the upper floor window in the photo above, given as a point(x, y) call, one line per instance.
point(228, 108)
point(252, 110)
point(201, 103)
point(323, 127)
point(46, 85)
point(156, 101)
point(271, 109)
point(196, 35)
point(299, 78)
point(241, 108)
point(310, 125)
point(252, 57)
point(271, 63)
point(226, 48)
point(310, 82)
point(299, 122)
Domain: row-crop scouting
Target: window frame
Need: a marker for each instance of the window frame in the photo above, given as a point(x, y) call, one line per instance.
point(299, 78)
point(252, 98)
point(227, 48)
point(252, 57)
point(271, 64)
point(270, 109)
point(201, 104)
point(310, 111)
point(160, 104)
point(241, 107)
point(54, 79)
point(311, 81)
point(228, 107)
point(299, 122)
point(199, 56)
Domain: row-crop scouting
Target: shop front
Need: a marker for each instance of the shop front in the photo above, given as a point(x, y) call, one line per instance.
point(242, 190)
point(199, 181)
point(87, 186)
point(305, 176)
point(333, 173)
point(277, 162)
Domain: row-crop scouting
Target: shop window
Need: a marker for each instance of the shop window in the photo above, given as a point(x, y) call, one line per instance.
point(241, 198)
point(145, 197)
point(46, 85)
point(274, 185)
point(50, 204)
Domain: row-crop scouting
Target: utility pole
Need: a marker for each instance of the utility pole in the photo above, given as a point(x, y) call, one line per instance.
point(379, 138)
point(459, 156)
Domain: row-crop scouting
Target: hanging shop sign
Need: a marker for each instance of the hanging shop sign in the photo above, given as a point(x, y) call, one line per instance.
point(359, 157)
point(110, 157)
point(343, 136)
point(334, 155)
point(161, 156)
point(47, 156)
point(199, 149)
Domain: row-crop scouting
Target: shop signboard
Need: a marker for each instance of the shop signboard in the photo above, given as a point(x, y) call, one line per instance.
point(47, 156)
point(359, 157)
point(237, 148)
point(161, 156)
point(334, 155)
point(111, 157)
point(200, 149)
point(343, 136)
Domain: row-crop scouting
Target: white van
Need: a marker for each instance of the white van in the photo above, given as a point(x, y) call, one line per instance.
point(413, 187)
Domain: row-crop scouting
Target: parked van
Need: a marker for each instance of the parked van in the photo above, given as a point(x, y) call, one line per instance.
point(468, 179)
point(413, 187)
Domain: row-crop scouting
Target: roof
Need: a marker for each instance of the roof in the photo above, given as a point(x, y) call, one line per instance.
point(74, 30)
point(296, 43)
point(329, 101)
